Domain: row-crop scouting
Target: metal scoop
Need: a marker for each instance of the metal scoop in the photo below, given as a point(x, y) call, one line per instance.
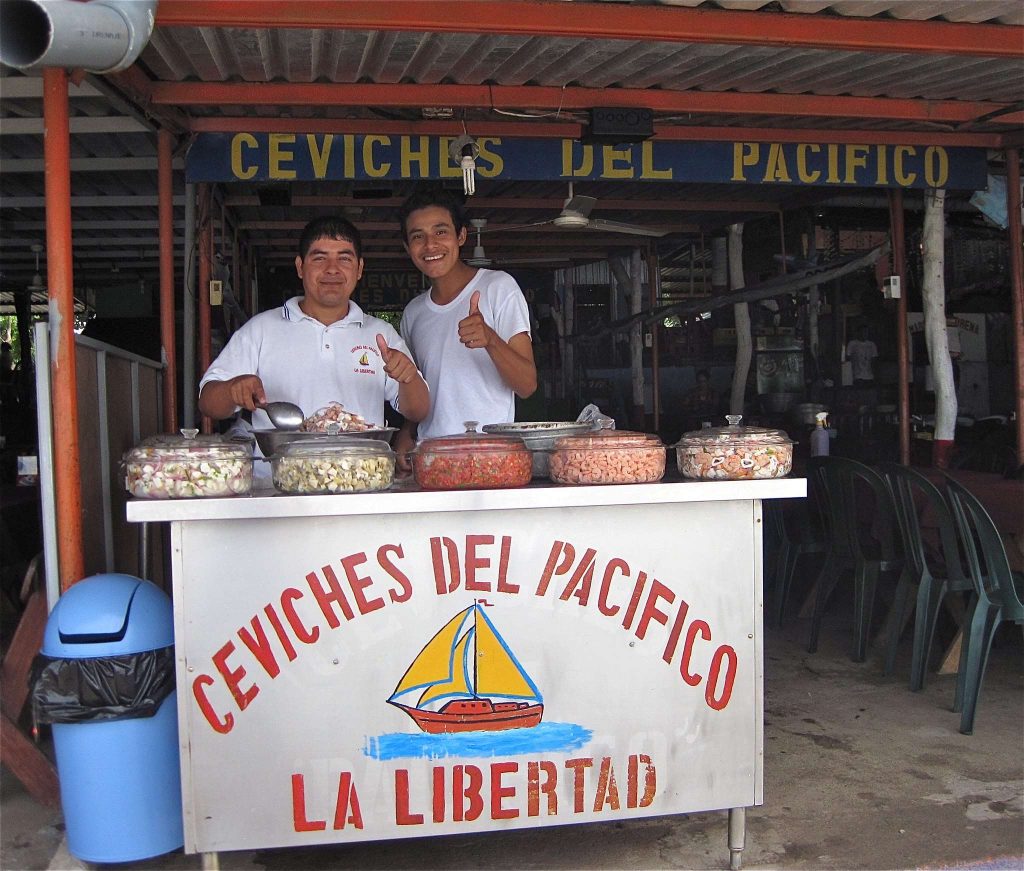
point(284, 415)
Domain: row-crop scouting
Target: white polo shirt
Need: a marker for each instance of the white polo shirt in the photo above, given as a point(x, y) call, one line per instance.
point(301, 360)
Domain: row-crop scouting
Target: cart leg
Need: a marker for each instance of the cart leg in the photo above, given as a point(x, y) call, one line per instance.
point(211, 861)
point(737, 836)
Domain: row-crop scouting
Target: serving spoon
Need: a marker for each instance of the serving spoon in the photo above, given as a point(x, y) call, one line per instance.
point(284, 415)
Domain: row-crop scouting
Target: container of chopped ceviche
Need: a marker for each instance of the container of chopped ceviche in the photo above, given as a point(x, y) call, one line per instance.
point(472, 460)
point(188, 466)
point(734, 452)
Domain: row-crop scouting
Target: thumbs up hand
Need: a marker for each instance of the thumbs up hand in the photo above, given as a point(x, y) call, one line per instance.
point(396, 364)
point(473, 329)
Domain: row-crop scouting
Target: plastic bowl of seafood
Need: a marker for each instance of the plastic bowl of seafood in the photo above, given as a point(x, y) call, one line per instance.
point(607, 457)
point(734, 453)
point(344, 465)
point(188, 466)
point(472, 461)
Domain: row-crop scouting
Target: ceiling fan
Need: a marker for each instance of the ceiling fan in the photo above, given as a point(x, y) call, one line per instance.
point(575, 214)
point(480, 258)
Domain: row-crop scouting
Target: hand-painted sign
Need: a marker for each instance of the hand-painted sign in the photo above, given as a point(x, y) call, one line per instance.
point(263, 157)
point(357, 678)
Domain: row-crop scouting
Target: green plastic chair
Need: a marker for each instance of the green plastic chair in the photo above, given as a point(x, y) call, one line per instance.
point(861, 524)
point(796, 531)
point(999, 595)
point(933, 575)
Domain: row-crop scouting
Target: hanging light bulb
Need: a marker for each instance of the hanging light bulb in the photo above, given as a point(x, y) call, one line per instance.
point(463, 150)
point(36, 285)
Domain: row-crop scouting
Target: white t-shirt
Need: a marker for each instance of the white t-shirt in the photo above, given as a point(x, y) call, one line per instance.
point(301, 360)
point(861, 352)
point(464, 383)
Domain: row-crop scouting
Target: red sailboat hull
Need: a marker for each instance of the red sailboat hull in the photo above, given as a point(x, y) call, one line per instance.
point(478, 715)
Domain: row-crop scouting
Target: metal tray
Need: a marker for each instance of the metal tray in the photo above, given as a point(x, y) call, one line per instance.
point(271, 440)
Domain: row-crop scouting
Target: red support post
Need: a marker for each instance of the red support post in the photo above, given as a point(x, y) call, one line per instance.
point(205, 246)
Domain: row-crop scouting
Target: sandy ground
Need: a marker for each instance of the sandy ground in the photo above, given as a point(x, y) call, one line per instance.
point(859, 773)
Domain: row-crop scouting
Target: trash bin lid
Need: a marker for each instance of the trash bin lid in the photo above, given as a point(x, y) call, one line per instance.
point(109, 615)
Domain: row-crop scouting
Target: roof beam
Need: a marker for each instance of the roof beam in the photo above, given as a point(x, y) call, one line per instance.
point(239, 200)
point(90, 202)
point(605, 21)
point(79, 124)
point(570, 99)
point(87, 164)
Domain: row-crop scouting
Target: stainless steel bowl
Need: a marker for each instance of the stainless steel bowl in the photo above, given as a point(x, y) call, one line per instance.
point(271, 440)
point(540, 437)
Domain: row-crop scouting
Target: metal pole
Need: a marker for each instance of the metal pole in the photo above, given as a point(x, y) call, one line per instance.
point(188, 312)
point(205, 251)
point(654, 289)
point(60, 281)
point(899, 267)
point(165, 148)
point(1017, 283)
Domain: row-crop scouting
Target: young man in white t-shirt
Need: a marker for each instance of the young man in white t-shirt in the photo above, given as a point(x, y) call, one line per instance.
point(317, 348)
point(469, 334)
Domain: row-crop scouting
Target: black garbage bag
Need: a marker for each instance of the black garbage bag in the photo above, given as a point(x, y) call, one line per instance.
point(126, 687)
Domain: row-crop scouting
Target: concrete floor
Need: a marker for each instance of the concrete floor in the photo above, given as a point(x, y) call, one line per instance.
point(859, 773)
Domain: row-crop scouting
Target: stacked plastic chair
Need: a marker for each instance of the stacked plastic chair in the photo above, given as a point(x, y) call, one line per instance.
point(794, 535)
point(932, 574)
point(999, 595)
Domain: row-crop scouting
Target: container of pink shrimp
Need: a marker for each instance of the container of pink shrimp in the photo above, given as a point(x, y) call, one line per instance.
point(734, 452)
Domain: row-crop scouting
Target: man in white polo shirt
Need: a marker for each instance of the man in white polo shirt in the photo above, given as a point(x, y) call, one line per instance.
point(317, 348)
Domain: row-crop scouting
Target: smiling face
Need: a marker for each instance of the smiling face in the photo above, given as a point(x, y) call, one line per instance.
point(330, 272)
point(432, 242)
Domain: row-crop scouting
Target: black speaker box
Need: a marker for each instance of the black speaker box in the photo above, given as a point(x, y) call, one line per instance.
point(612, 125)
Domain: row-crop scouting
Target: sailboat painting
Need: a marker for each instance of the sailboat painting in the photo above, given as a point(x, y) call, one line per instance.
point(467, 679)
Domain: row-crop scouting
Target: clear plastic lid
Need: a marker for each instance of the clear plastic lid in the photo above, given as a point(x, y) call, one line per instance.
point(733, 434)
point(606, 439)
point(472, 442)
point(189, 447)
point(334, 448)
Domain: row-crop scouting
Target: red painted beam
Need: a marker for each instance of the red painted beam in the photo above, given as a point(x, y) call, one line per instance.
point(604, 21)
point(570, 99)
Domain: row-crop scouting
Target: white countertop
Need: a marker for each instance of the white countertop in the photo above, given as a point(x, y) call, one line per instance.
point(410, 500)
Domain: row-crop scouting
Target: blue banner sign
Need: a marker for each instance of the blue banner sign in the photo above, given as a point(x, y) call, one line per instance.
point(262, 157)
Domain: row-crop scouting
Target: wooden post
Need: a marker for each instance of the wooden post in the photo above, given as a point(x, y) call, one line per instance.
point(205, 251)
point(165, 143)
point(1017, 287)
point(899, 269)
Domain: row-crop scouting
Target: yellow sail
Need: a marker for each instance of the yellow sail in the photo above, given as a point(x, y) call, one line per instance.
point(459, 684)
point(497, 673)
point(434, 662)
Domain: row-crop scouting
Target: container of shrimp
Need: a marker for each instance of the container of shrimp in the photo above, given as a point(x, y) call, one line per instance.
point(472, 460)
point(607, 457)
point(188, 466)
point(734, 452)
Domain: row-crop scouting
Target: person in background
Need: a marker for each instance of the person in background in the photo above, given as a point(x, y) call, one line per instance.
point(701, 400)
point(861, 353)
point(317, 348)
point(469, 334)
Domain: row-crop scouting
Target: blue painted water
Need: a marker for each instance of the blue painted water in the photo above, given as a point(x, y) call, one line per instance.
point(545, 737)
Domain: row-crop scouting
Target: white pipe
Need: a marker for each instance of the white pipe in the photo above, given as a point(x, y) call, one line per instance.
point(933, 295)
point(101, 36)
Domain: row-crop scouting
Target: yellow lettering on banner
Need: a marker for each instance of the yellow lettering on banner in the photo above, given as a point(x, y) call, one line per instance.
point(776, 170)
point(349, 141)
point(882, 159)
point(647, 169)
point(319, 156)
point(489, 163)
point(833, 164)
point(238, 168)
point(278, 154)
point(586, 160)
point(936, 166)
point(370, 165)
point(411, 155)
point(902, 178)
point(611, 157)
point(744, 154)
point(806, 175)
point(445, 167)
point(856, 158)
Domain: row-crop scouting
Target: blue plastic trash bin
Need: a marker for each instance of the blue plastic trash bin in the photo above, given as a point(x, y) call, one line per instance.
point(120, 782)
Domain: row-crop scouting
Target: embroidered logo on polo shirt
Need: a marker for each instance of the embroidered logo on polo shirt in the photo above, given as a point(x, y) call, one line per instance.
point(366, 359)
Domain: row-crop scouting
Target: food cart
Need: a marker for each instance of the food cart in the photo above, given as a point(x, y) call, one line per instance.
point(409, 663)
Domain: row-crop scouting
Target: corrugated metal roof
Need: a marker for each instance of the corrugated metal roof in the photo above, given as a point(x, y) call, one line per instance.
point(114, 177)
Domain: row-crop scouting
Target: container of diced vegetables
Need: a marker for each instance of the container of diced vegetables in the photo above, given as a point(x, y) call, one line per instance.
point(333, 464)
point(188, 466)
point(472, 460)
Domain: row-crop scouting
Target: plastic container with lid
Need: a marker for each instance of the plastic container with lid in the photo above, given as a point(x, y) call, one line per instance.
point(734, 452)
point(188, 466)
point(333, 465)
point(608, 457)
point(540, 437)
point(472, 460)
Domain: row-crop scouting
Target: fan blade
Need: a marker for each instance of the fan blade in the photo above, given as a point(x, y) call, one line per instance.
point(631, 229)
point(581, 206)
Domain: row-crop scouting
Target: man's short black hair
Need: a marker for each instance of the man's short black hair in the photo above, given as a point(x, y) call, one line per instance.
point(330, 227)
point(703, 372)
point(430, 195)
